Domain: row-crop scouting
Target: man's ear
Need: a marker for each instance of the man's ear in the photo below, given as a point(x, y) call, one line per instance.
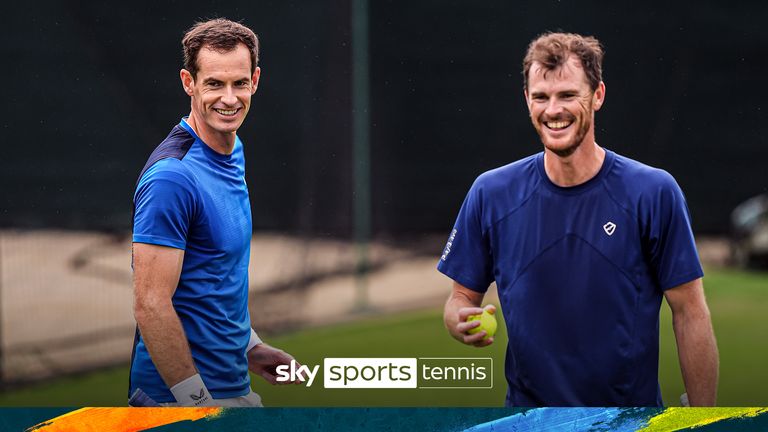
point(527, 101)
point(255, 79)
point(599, 97)
point(187, 82)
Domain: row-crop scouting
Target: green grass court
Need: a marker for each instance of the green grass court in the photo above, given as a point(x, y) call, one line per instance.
point(738, 301)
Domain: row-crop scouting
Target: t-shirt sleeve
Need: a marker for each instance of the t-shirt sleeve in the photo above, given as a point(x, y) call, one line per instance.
point(164, 206)
point(669, 238)
point(467, 255)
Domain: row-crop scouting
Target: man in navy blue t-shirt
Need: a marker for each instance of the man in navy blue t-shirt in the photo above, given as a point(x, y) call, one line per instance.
point(191, 237)
point(582, 244)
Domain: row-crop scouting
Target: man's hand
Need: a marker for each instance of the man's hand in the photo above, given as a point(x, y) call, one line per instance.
point(462, 303)
point(463, 327)
point(264, 359)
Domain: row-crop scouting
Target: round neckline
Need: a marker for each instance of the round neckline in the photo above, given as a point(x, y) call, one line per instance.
point(206, 148)
point(579, 188)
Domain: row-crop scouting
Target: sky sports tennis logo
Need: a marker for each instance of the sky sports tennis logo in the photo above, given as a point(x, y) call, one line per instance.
point(422, 372)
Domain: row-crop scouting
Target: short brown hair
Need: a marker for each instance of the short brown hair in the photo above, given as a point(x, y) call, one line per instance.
point(221, 35)
point(553, 49)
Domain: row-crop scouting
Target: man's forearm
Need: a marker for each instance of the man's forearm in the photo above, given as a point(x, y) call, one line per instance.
point(166, 342)
point(697, 350)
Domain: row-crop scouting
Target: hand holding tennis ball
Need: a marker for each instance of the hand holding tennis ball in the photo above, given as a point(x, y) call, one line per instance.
point(487, 322)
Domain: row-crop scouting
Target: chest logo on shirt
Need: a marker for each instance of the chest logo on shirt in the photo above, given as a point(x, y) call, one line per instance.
point(609, 228)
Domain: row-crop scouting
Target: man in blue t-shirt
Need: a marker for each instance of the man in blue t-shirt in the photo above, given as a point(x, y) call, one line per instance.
point(191, 238)
point(582, 244)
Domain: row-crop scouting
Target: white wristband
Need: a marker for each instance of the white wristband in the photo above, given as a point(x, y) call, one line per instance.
point(192, 392)
point(255, 340)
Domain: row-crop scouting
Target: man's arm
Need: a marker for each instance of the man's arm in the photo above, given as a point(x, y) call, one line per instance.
point(696, 346)
point(156, 271)
point(462, 303)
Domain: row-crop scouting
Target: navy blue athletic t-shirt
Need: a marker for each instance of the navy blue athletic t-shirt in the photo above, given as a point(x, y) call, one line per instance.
point(192, 198)
point(580, 273)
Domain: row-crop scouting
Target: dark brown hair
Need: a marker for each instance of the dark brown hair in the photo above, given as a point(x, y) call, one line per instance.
point(553, 49)
point(221, 35)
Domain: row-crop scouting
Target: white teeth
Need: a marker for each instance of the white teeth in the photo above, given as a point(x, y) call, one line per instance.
point(558, 124)
point(226, 112)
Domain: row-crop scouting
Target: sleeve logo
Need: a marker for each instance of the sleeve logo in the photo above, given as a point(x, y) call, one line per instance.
point(448, 245)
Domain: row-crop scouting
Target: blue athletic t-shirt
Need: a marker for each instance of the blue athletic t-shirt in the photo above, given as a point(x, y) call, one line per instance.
point(192, 198)
point(580, 273)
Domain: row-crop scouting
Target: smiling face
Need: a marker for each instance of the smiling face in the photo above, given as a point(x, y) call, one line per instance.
point(220, 93)
point(562, 105)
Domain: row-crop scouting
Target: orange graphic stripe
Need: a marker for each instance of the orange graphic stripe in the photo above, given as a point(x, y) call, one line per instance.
point(122, 419)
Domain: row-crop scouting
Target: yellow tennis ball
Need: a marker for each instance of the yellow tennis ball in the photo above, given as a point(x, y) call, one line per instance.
point(487, 323)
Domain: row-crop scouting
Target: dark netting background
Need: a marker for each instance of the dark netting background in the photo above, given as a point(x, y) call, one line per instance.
point(91, 89)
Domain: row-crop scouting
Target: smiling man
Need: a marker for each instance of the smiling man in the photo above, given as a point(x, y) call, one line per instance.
point(583, 244)
point(191, 237)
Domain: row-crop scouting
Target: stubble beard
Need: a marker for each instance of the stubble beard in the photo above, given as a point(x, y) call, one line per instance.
point(571, 148)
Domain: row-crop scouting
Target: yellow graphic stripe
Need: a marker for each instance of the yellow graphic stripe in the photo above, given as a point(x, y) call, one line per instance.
point(122, 419)
point(677, 418)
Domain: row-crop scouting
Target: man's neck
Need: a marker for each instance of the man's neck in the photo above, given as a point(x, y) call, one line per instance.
point(220, 143)
point(577, 168)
